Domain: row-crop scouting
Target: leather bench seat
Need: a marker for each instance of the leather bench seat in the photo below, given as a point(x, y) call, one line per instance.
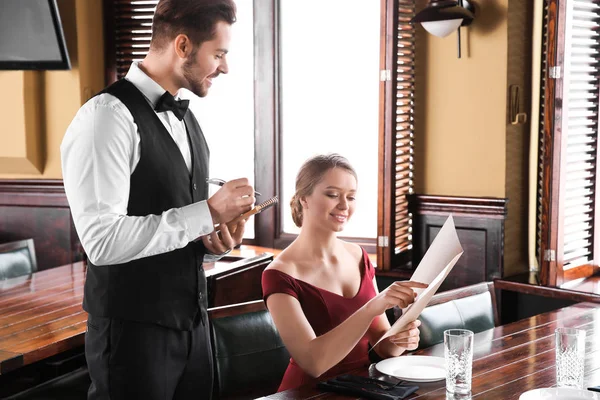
point(470, 307)
point(249, 355)
point(475, 313)
point(17, 259)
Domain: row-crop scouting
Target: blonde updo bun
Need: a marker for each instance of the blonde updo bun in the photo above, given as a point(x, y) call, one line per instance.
point(310, 174)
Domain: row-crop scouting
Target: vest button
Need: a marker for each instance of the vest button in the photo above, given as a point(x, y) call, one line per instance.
point(195, 187)
point(199, 296)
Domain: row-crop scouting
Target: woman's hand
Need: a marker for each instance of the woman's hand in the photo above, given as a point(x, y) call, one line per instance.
point(408, 337)
point(397, 294)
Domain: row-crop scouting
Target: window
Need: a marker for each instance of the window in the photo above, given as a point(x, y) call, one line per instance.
point(313, 74)
point(330, 97)
point(568, 236)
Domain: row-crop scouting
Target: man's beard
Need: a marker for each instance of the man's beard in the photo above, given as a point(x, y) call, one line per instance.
point(193, 84)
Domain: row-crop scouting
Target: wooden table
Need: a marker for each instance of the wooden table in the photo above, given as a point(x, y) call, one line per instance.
point(41, 315)
point(507, 360)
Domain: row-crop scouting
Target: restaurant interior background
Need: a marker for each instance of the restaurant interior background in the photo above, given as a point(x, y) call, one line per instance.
point(448, 132)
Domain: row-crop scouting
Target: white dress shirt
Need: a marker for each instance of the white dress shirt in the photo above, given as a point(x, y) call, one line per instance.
point(99, 152)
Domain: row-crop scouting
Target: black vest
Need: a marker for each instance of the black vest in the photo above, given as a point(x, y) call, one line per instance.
point(168, 289)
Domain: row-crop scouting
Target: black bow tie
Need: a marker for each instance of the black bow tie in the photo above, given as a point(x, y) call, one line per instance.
point(167, 102)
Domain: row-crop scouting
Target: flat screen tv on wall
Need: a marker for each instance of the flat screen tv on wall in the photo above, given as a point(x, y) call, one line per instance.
point(31, 36)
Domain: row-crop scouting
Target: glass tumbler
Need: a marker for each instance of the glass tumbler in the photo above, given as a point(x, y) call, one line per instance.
point(458, 351)
point(570, 357)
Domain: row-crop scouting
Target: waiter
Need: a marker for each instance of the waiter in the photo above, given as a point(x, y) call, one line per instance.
point(135, 166)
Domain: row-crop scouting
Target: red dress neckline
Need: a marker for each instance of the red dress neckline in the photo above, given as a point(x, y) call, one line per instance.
point(362, 280)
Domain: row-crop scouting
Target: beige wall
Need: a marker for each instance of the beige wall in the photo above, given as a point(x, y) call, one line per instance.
point(31, 140)
point(461, 108)
point(11, 82)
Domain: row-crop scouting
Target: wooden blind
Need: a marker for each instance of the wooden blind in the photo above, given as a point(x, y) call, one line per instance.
point(404, 129)
point(572, 151)
point(580, 128)
point(396, 156)
point(544, 96)
point(131, 23)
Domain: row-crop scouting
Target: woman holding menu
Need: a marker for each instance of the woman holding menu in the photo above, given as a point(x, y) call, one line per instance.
point(321, 291)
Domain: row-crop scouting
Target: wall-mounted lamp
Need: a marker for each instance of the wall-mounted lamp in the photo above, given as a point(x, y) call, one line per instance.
point(442, 17)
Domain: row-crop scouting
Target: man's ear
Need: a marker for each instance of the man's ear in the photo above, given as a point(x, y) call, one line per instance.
point(183, 46)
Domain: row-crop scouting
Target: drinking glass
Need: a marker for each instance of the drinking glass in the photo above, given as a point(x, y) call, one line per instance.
point(458, 351)
point(570, 356)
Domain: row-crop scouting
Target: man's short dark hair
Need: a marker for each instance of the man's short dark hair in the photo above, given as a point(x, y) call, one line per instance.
point(195, 18)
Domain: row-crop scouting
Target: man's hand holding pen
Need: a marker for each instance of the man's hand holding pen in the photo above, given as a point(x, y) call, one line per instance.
point(234, 198)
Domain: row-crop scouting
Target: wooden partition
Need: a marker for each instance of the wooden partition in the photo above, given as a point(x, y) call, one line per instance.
point(479, 223)
point(236, 279)
point(38, 209)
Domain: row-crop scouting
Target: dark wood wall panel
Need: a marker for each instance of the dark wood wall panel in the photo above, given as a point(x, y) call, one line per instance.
point(479, 224)
point(38, 209)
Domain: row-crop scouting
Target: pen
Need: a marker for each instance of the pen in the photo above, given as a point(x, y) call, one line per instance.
point(221, 182)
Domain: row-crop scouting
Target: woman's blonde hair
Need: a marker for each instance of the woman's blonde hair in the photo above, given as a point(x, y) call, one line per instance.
point(311, 173)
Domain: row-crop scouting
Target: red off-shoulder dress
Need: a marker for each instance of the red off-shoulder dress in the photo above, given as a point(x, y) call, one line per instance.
point(324, 311)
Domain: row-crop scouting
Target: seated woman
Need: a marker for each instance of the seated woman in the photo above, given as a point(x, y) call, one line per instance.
point(321, 291)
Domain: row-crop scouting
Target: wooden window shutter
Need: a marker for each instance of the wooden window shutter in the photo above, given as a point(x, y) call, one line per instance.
point(396, 134)
point(568, 246)
point(128, 26)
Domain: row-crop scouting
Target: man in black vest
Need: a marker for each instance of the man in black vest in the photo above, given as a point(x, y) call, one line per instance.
point(135, 167)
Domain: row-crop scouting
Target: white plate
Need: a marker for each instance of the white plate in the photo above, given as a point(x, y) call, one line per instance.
point(559, 394)
point(414, 368)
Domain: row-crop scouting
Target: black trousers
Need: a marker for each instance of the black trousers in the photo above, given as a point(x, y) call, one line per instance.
point(133, 360)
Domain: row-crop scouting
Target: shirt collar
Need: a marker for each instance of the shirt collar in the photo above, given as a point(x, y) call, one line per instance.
point(149, 88)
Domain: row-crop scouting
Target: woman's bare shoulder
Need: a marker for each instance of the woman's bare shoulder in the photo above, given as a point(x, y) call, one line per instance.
point(355, 251)
point(284, 262)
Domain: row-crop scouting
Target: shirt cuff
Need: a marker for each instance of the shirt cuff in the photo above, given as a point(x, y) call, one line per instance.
point(210, 258)
point(198, 219)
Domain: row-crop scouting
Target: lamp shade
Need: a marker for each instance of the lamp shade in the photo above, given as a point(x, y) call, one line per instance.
point(442, 17)
point(442, 28)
